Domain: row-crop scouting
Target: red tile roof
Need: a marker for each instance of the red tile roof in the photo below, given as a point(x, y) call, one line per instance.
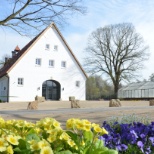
point(11, 63)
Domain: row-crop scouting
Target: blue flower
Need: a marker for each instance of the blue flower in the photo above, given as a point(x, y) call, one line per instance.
point(126, 137)
point(140, 145)
point(152, 140)
point(121, 147)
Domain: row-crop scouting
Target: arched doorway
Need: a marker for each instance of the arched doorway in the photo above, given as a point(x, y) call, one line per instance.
point(51, 90)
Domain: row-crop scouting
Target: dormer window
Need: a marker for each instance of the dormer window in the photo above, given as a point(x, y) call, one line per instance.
point(47, 46)
point(55, 47)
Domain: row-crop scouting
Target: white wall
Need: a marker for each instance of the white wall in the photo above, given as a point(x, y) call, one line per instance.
point(34, 75)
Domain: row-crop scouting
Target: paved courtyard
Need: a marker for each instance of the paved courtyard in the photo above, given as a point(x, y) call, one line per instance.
point(95, 111)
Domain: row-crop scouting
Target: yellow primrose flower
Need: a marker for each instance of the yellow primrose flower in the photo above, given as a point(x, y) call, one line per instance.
point(80, 125)
point(46, 150)
point(97, 129)
point(29, 124)
point(76, 147)
point(86, 122)
point(19, 123)
point(34, 145)
point(56, 124)
point(82, 143)
point(93, 125)
point(104, 131)
point(53, 131)
point(87, 127)
point(9, 150)
point(70, 123)
point(47, 127)
point(43, 143)
point(9, 123)
point(71, 142)
point(64, 136)
point(12, 139)
point(52, 138)
point(3, 145)
point(2, 122)
point(37, 130)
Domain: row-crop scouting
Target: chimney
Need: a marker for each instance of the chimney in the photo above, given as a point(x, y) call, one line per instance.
point(6, 59)
point(17, 49)
point(15, 52)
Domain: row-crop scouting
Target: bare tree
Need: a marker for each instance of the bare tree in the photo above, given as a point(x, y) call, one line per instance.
point(4, 60)
point(20, 15)
point(117, 51)
point(151, 77)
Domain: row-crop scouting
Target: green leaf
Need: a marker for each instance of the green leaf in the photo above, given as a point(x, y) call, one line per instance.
point(73, 136)
point(99, 144)
point(22, 144)
point(17, 149)
point(22, 148)
point(88, 135)
point(64, 152)
point(110, 152)
point(32, 137)
point(31, 131)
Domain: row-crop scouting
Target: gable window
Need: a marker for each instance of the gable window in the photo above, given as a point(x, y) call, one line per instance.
point(77, 83)
point(38, 61)
point(47, 46)
point(55, 47)
point(20, 81)
point(51, 63)
point(63, 64)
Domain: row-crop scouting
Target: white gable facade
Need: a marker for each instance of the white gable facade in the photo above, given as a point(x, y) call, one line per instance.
point(47, 68)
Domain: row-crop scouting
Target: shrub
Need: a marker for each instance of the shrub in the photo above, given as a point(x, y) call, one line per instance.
point(129, 119)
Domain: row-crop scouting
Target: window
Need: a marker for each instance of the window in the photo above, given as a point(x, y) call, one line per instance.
point(51, 63)
point(63, 64)
point(55, 48)
point(38, 61)
point(47, 46)
point(20, 81)
point(77, 83)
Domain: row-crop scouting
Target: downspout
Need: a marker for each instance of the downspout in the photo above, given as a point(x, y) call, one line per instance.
point(8, 86)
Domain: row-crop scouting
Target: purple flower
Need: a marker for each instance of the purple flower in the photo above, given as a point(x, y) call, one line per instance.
point(152, 140)
point(122, 147)
point(147, 150)
point(134, 134)
point(126, 137)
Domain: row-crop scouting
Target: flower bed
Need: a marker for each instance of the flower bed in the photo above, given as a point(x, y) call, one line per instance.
point(47, 137)
point(130, 138)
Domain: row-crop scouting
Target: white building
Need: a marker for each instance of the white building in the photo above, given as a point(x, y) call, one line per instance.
point(46, 66)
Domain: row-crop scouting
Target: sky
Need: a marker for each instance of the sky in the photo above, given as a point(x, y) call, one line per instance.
point(99, 14)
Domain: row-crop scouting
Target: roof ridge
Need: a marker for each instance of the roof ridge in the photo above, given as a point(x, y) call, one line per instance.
point(8, 66)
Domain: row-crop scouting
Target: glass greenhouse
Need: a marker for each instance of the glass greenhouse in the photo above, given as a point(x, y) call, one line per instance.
point(140, 90)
